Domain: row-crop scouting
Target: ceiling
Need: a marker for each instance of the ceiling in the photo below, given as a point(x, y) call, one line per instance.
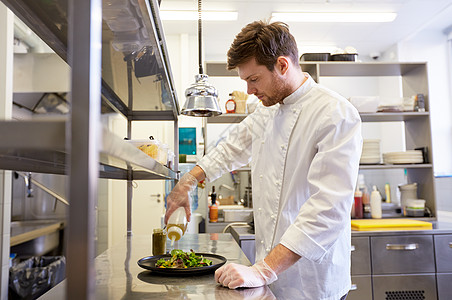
point(412, 17)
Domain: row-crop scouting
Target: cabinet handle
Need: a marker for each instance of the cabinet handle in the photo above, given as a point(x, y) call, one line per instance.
point(353, 247)
point(354, 287)
point(402, 246)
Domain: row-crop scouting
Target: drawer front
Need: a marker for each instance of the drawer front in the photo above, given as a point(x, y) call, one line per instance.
point(444, 286)
point(361, 288)
point(443, 252)
point(402, 287)
point(360, 256)
point(402, 254)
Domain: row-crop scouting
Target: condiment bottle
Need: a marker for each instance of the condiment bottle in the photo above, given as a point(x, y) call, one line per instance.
point(358, 204)
point(213, 208)
point(177, 224)
point(375, 203)
point(230, 105)
point(158, 242)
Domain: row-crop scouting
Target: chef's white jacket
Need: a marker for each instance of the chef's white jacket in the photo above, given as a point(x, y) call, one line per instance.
point(304, 157)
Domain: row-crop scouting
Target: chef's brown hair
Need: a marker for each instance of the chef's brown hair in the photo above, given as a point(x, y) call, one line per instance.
point(265, 42)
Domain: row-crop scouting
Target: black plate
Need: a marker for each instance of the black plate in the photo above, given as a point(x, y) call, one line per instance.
point(149, 264)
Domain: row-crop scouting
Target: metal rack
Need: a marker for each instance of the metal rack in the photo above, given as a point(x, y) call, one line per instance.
point(79, 146)
point(414, 80)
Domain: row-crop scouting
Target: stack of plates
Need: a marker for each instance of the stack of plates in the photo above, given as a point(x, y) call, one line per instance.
point(371, 152)
point(404, 157)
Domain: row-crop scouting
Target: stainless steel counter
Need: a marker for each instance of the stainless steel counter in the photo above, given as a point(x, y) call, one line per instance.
point(118, 275)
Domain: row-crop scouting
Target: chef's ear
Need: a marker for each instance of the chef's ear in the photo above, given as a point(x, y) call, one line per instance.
point(282, 65)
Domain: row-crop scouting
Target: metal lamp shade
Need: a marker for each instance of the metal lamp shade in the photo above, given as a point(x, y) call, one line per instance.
point(202, 99)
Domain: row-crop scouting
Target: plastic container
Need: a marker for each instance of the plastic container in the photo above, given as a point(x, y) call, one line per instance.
point(151, 146)
point(240, 106)
point(315, 57)
point(177, 225)
point(344, 57)
point(375, 203)
point(162, 155)
point(414, 207)
point(407, 192)
point(171, 158)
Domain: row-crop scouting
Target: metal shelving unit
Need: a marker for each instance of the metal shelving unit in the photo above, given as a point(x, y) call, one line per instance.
point(79, 146)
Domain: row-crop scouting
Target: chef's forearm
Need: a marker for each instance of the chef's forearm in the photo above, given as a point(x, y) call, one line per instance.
point(281, 258)
point(198, 172)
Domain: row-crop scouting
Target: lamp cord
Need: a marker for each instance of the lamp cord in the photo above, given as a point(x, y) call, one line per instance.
point(200, 37)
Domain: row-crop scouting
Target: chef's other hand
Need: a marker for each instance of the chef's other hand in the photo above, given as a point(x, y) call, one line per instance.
point(180, 196)
point(234, 275)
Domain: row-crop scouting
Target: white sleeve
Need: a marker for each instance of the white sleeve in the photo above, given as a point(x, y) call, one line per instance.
point(331, 179)
point(230, 154)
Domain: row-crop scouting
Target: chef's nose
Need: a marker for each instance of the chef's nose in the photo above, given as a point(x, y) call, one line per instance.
point(250, 90)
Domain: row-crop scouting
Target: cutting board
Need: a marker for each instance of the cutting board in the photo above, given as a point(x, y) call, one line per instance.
point(390, 224)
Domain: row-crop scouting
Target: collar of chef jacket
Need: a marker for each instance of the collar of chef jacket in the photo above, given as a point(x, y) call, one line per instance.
point(303, 89)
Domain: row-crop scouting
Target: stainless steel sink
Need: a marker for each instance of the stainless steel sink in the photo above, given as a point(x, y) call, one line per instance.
point(35, 237)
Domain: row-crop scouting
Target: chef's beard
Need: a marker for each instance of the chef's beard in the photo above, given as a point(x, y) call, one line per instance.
point(278, 92)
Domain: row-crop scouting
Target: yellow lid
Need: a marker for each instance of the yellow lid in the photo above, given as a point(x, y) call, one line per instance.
point(389, 224)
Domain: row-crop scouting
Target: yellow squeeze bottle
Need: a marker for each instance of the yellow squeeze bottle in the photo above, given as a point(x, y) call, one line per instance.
point(177, 225)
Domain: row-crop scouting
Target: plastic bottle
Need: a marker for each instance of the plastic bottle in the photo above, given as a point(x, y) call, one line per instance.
point(177, 224)
point(375, 203)
point(366, 197)
point(388, 193)
point(358, 204)
point(213, 208)
point(230, 105)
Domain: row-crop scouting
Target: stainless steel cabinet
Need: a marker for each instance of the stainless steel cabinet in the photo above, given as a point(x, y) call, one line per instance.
point(443, 253)
point(361, 288)
point(360, 256)
point(402, 254)
point(444, 282)
point(395, 287)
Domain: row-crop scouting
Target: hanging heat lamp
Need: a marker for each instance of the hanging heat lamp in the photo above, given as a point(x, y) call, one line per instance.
point(202, 97)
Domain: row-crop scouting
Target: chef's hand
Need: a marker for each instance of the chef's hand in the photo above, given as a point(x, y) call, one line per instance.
point(180, 196)
point(235, 275)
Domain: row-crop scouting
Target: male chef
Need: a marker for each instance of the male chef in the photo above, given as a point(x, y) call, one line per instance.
point(303, 143)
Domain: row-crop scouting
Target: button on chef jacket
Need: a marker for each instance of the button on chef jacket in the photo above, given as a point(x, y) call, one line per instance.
point(304, 156)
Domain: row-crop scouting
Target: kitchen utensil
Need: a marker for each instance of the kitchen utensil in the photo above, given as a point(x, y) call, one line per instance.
point(149, 262)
